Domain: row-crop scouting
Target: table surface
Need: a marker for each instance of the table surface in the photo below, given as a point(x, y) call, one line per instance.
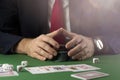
point(108, 63)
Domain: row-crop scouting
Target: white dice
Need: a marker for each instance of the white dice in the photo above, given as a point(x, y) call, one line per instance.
point(24, 63)
point(96, 60)
point(19, 68)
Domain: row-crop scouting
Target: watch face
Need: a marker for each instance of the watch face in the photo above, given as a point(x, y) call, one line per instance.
point(99, 44)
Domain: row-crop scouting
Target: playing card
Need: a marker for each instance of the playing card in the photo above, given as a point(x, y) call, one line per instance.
point(46, 69)
point(60, 68)
point(81, 67)
point(4, 73)
point(9, 73)
point(89, 75)
point(37, 70)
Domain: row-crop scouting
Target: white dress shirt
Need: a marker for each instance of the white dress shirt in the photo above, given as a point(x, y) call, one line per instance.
point(66, 13)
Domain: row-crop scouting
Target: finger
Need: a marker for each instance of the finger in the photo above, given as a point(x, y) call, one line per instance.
point(49, 40)
point(44, 53)
point(47, 48)
point(77, 49)
point(67, 34)
point(70, 44)
point(37, 56)
point(88, 54)
point(84, 57)
point(79, 55)
point(54, 33)
point(73, 43)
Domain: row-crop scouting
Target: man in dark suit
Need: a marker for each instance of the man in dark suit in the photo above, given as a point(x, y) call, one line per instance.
point(94, 28)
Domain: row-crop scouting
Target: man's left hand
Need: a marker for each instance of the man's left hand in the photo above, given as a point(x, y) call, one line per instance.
point(81, 47)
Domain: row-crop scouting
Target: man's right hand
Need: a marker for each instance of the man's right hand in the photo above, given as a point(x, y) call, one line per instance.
point(43, 47)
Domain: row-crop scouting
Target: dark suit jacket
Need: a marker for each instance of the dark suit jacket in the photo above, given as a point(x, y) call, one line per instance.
point(29, 18)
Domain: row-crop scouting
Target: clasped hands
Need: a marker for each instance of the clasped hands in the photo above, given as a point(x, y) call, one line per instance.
point(45, 47)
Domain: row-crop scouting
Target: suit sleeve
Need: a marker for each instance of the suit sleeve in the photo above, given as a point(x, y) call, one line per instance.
point(9, 25)
point(110, 40)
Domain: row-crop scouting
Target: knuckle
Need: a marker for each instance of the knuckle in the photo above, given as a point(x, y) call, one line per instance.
point(41, 36)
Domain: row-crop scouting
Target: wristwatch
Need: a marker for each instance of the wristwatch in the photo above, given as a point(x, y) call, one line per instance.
point(98, 43)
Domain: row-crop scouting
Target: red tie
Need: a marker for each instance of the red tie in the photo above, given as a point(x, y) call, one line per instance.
point(57, 19)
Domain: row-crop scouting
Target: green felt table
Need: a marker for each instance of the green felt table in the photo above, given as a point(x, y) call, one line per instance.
point(108, 63)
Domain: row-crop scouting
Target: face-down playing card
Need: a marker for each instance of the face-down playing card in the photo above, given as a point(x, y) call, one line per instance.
point(89, 75)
